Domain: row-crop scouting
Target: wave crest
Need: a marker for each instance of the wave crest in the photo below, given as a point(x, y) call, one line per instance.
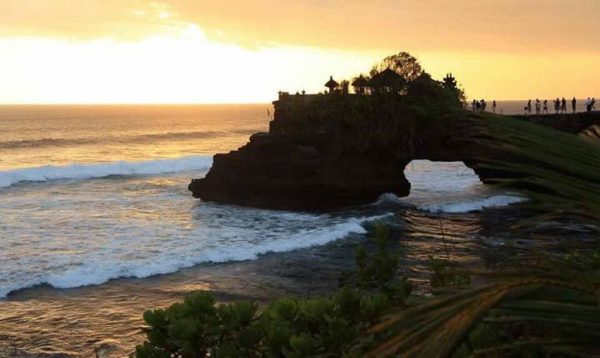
point(473, 205)
point(95, 270)
point(127, 139)
point(101, 170)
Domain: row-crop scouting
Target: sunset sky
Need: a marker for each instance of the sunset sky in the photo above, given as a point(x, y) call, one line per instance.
point(216, 51)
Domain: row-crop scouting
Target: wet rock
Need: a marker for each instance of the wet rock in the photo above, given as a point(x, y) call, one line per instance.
point(108, 348)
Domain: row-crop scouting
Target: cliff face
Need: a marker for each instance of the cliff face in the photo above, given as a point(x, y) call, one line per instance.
point(329, 152)
point(300, 171)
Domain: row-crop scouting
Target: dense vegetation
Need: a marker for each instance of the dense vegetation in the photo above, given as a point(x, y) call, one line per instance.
point(544, 304)
point(377, 118)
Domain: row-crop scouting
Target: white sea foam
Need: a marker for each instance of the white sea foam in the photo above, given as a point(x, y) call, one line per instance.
point(225, 234)
point(388, 199)
point(101, 170)
point(92, 231)
point(472, 205)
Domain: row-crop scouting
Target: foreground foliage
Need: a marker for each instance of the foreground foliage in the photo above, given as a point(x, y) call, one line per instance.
point(546, 305)
point(290, 327)
point(562, 169)
point(535, 313)
point(552, 308)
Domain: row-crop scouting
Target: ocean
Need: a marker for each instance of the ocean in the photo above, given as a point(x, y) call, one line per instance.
point(97, 224)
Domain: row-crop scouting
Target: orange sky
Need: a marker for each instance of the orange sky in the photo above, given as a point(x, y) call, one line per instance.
point(185, 51)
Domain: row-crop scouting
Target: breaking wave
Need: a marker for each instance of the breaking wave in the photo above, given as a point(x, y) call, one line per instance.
point(101, 170)
point(230, 244)
point(472, 205)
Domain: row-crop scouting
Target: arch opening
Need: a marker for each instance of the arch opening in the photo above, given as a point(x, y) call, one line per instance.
point(452, 187)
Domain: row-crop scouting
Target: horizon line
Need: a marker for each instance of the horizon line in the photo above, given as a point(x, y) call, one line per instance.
point(134, 104)
point(228, 103)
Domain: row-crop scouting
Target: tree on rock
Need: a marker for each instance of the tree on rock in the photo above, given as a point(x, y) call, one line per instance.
point(403, 63)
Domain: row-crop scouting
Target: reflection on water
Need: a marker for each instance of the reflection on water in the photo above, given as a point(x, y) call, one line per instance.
point(102, 221)
point(43, 320)
point(86, 232)
point(452, 238)
point(57, 135)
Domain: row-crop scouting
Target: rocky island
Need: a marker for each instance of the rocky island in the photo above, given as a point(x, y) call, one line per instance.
point(339, 149)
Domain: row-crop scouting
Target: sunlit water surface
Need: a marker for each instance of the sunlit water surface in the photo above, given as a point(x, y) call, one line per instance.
point(97, 224)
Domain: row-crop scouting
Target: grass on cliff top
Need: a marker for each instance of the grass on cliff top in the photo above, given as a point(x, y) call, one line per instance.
point(564, 167)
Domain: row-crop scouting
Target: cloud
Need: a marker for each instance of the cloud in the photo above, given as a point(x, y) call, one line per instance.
point(86, 19)
point(500, 26)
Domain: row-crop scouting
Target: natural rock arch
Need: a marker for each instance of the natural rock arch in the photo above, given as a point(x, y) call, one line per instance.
point(309, 161)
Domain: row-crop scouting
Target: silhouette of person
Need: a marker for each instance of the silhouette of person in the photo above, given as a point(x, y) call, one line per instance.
point(545, 106)
point(557, 105)
point(528, 107)
point(494, 105)
point(563, 105)
point(574, 104)
point(538, 106)
point(483, 105)
point(588, 105)
point(474, 105)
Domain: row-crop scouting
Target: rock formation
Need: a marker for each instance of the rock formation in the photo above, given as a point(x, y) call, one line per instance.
point(328, 152)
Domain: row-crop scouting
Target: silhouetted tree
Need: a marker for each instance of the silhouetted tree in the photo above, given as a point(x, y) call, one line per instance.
point(435, 95)
point(345, 85)
point(402, 63)
point(360, 83)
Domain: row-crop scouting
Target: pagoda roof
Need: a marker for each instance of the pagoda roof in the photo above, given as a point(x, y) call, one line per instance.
point(386, 76)
point(331, 83)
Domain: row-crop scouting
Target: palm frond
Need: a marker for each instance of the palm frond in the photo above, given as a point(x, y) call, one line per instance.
point(563, 169)
point(439, 327)
point(561, 174)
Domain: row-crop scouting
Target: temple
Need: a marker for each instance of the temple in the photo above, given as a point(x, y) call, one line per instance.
point(329, 151)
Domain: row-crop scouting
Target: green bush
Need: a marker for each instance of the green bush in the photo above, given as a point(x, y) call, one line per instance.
point(288, 327)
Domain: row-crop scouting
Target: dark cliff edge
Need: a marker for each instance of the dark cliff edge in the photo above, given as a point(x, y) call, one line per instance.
point(331, 151)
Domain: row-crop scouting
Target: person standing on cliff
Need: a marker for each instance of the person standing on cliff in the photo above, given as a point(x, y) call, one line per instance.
point(574, 104)
point(538, 106)
point(528, 107)
point(588, 105)
point(494, 105)
point(545, 110)
point(557, 105)
point(563, 106)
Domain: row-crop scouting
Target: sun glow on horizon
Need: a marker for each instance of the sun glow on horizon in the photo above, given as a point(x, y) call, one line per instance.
point(185, 67)
point(178, 52)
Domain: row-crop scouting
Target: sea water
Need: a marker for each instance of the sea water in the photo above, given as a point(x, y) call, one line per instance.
point(90, 194)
